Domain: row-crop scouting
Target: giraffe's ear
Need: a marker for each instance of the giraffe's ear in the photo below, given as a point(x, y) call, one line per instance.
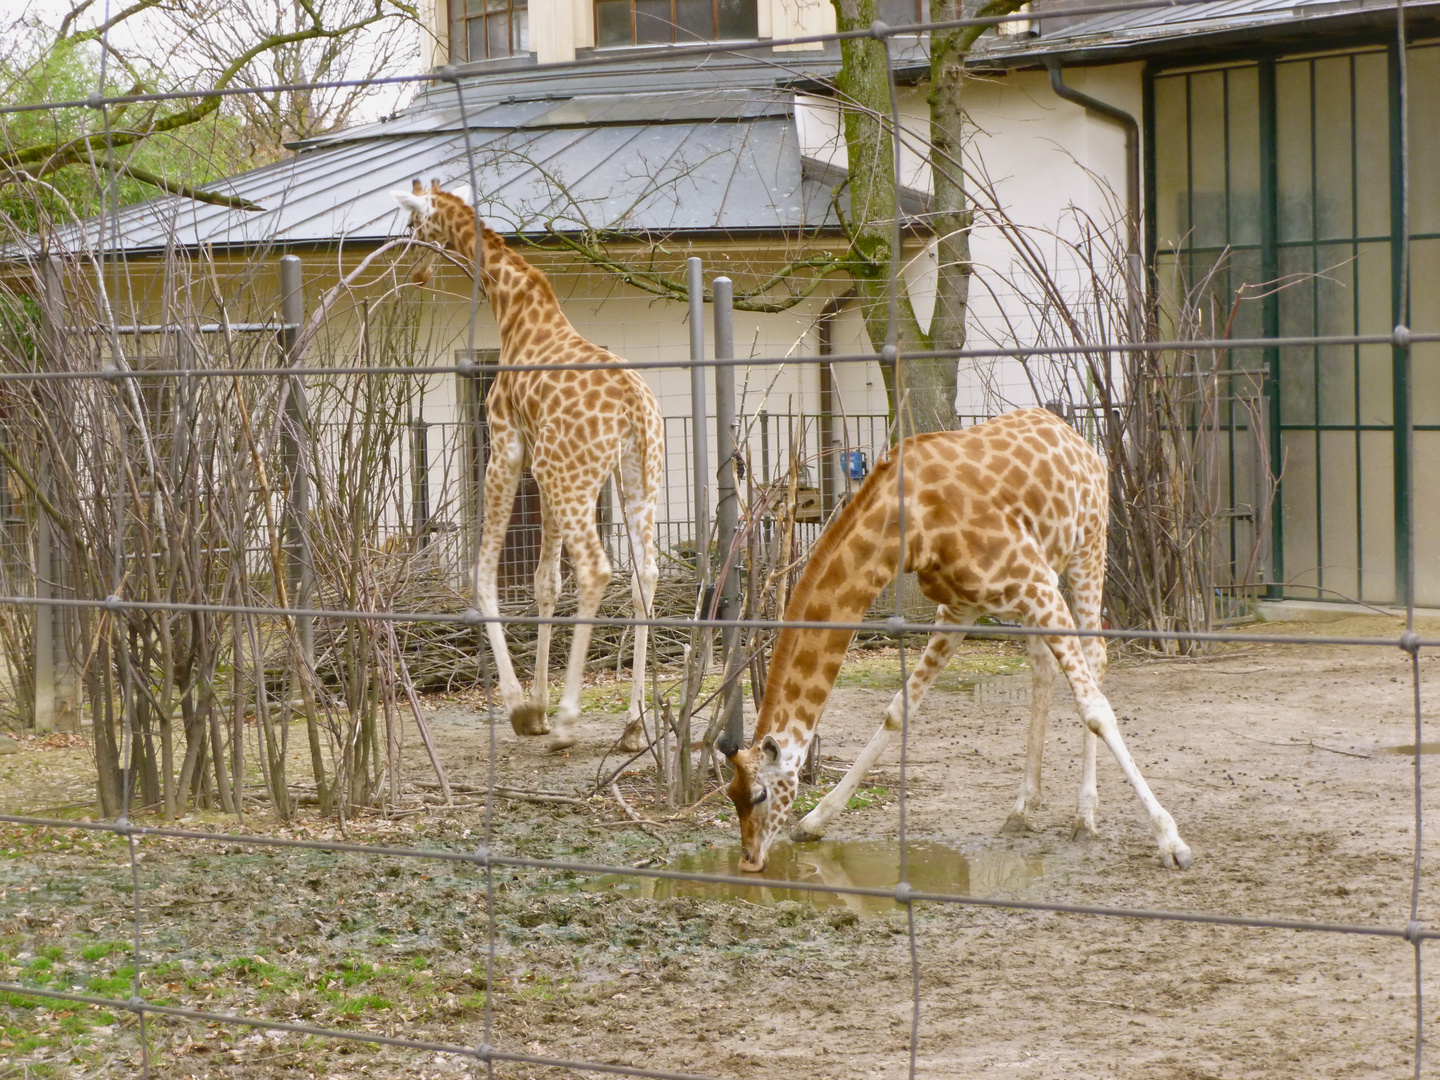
point(414, 203)
point(770, 750)
point(416, 188)
point(463, 193)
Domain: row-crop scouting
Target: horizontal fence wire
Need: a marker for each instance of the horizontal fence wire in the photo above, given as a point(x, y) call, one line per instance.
point(897, 627)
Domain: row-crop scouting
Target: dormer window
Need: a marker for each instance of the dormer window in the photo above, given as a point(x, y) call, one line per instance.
point(488, 29)
point(674, 22)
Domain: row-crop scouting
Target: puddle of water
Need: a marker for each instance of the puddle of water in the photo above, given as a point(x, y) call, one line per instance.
point(1408, 750)
point(931, 867)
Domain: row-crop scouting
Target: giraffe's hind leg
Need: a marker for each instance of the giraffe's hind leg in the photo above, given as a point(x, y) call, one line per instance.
point(1043, 671)
point(592, 574)
point(640, 529)
point(1049, 610)
point(530, 718)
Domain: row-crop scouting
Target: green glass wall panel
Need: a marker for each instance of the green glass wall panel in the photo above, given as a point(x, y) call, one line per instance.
point(1329, 142)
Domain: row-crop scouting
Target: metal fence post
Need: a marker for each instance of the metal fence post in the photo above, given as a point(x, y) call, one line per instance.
point(699, 436)
point(727, 513)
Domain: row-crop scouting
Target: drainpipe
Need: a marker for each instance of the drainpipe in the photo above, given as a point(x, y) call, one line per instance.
point(1133, 267)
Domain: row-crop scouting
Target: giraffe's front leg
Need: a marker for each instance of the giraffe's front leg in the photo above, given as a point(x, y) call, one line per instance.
point(938, 651)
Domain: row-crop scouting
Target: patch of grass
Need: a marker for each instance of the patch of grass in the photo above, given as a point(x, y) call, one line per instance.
point(354, 1006)
point(101, 949)
point(864, 798)
point(117, 984)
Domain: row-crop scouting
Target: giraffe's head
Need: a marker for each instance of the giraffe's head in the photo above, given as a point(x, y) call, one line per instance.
point(431, 213)
point(766, 779)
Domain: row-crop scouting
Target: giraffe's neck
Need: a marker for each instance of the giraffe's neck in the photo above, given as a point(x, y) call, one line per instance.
point(856, 558)
point(520, 295)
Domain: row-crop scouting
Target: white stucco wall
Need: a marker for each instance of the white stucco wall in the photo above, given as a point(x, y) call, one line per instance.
point(1039, 161)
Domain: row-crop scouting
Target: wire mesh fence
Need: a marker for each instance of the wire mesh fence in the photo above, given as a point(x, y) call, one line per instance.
point(234, 554)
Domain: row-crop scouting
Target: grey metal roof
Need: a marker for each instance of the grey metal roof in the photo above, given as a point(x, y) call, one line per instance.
point(1196, 28)
point(651, 164)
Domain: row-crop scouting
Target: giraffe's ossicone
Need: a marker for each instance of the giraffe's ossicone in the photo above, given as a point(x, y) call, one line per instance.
point(573, 427)
point(993, 517)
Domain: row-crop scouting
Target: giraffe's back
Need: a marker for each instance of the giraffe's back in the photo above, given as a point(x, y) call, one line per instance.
point(987, 500)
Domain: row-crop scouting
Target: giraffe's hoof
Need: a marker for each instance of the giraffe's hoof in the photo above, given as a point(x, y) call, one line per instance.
point(633, 740)
point(561, 741)
point(1080, 829)
point(1017, 824)
point(1179, 859)
point(529, 719)
point(799, 834)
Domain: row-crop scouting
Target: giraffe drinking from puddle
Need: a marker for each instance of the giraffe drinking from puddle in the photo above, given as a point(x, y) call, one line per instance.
point(994, 515)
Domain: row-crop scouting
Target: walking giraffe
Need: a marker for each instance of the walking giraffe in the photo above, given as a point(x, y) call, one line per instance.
point(573, 429)
point(994, 514)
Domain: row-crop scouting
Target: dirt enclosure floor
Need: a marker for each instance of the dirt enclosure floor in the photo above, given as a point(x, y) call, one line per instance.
point(1280, 765)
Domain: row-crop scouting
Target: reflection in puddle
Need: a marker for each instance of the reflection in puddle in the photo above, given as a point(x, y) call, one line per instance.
point(1408, 750)
point(863, 863)
point(992, 691)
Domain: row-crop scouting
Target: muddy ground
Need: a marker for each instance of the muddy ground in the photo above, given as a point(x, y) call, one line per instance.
point(1277, 763)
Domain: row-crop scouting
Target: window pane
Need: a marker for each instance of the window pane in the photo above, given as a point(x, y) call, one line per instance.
point(497, 35)
point(612, 19)
point(739, 20)
point(475, 39)
point(1298, 512)
point(1425, 315)
point(1333, 180)
point(695, 20)
point(1172, 165)
point(652, 22)
point(1243, 98)
point(1426, 537)
point(1424, 72)
point(1372, 275)
point(1207, 158)
point(1339, 529)
point(1297, 317)
point(1292, 137)
point(520, 31)
point(1377, 515)
point(1372, 144)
